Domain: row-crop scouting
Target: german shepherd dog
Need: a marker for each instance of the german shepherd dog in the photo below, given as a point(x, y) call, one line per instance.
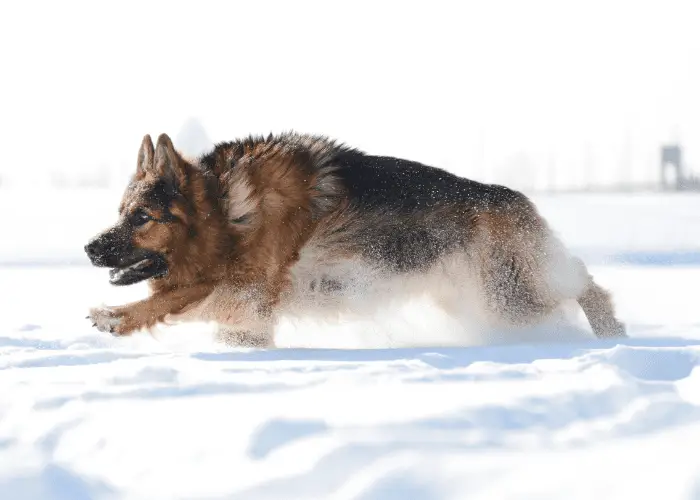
point(300, 224)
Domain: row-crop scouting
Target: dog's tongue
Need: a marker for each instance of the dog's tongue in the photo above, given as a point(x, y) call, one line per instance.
point(117, 275)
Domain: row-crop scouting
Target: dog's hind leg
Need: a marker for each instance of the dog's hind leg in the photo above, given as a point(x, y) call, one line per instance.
point(598, 308)
point(527, 273)
point(524, 274)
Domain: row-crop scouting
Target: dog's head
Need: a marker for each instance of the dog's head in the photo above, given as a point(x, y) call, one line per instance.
point(153, 219)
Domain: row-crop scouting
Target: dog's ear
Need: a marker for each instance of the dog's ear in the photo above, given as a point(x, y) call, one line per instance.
point(145, 159)
point(168, 164)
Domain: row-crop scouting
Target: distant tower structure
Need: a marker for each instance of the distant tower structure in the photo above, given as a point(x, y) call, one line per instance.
point(192, 139)
point(672, 158)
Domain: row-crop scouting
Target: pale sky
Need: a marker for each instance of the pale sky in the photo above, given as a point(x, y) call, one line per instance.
point(526, 92)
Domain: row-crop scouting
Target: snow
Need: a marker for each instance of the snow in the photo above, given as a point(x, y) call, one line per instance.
point(84, 415)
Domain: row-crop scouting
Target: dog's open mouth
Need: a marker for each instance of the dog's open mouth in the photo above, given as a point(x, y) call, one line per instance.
point(152, 266)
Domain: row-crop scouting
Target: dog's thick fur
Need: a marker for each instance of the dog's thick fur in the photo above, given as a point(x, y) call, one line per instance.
point(299, 224)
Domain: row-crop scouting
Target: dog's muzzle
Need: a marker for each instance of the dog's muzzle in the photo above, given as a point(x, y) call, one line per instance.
point(108, 249)
point(129, 264)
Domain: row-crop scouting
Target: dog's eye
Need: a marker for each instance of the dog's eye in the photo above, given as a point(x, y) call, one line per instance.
point(139, 218)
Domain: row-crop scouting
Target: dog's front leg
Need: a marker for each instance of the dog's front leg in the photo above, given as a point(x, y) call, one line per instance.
point(126, 319)
point(245, 315)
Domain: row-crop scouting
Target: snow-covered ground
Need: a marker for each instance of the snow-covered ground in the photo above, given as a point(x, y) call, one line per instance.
point(83, 415)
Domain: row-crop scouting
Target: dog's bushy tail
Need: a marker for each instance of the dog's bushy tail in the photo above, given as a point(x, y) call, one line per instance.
point(597, 305)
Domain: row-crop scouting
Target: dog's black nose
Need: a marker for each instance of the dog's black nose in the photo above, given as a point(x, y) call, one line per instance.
point(92, 249)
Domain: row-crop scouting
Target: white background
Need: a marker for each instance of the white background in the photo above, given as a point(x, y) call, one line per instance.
point(537, 94)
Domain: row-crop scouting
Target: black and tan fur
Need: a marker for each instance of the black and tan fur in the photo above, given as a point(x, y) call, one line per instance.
point(301, 225)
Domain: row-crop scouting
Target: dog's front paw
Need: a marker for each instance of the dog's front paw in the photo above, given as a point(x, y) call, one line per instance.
point(106, 320)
